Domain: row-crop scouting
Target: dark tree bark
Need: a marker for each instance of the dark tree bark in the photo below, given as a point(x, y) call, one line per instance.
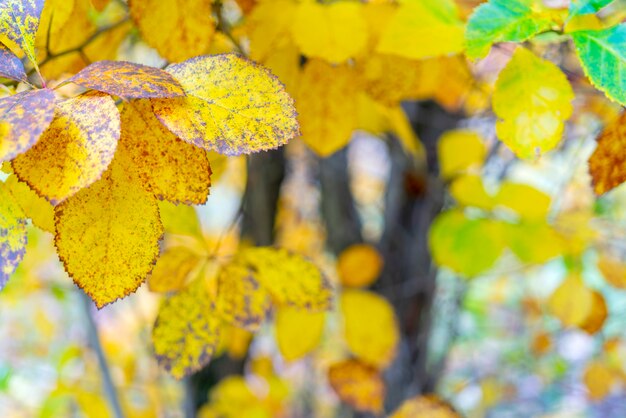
point(414, 197)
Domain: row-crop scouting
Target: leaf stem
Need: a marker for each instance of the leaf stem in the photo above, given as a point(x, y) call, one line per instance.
point(94, 342)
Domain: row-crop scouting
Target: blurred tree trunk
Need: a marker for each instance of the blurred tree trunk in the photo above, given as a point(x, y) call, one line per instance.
point(414, 198)
point(266, 172)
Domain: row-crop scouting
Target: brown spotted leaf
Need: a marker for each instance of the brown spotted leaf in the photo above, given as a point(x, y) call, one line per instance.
point(75, 150)
point(23, 118)
point(10, 65)
point(607, 165)
point(186, 331)
point(19, 20)
point(107, 235)
point(170, 168)
point(128, 80)
point(233, 106)
point(12, 235)
point(289, 278)
point(358, 384)
point(241, 301)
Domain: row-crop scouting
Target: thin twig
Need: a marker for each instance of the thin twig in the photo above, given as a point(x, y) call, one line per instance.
point(94, 341)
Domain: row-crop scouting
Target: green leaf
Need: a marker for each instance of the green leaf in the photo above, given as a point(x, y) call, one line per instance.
point(502, 21)
point(586, 7)
point(602, 54)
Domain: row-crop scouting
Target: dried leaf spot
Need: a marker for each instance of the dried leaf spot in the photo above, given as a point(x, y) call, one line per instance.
point(607, 165)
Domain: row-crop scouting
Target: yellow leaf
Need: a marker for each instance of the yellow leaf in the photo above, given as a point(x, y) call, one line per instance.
point(289, 278)
point(469, 190)
point(606, 165)
point(327, 104)
point(613, 270)
point(128, 80)
point(298, 332)
point(370, 327)
point(180, 219)
point(75, 150)
point(391, 78)
point(597, 315)
point(598, 379)
point(172, 269)
point(167, 166)
point(528, 202)
point(535, 242)
point(358, 384)
point(572, 302)
point(233, 106)
point(23, 118)
point(270, 25)
point(532, 98)
point(359, 265)
point(107, 235)
point(422, 29)
point(458, 151)
point(38, 209)
point(237, 341)
point(425, 406)
point(12, 235)
point(186, 331)
point(177, 29)
point(241, 301)
point(334, 31)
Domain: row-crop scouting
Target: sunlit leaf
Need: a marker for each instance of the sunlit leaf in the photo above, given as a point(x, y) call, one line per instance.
point(528, 202)
point(532, 99)
point(422, 29)
point(172, 269)
point(170, 168)
point(177, 29)
point(128, 80)
point(370, 327)
point(327, 106)
point(602, 54)
point(233, 106)
point(298, 332)
point(607, 163)
point(23, 118)
point(186, 331)
point(19, 20)
point(359, 265)
point(12, 235)
point(75, 150)
point(503, 21)
point(613, 270)
point(334, 32)
point(358, 384)
point(107, 235)
point(572, 302)
point(10, 65)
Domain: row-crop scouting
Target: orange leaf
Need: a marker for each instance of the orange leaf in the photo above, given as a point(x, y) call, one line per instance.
point(607, 165)
point(358, 385)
